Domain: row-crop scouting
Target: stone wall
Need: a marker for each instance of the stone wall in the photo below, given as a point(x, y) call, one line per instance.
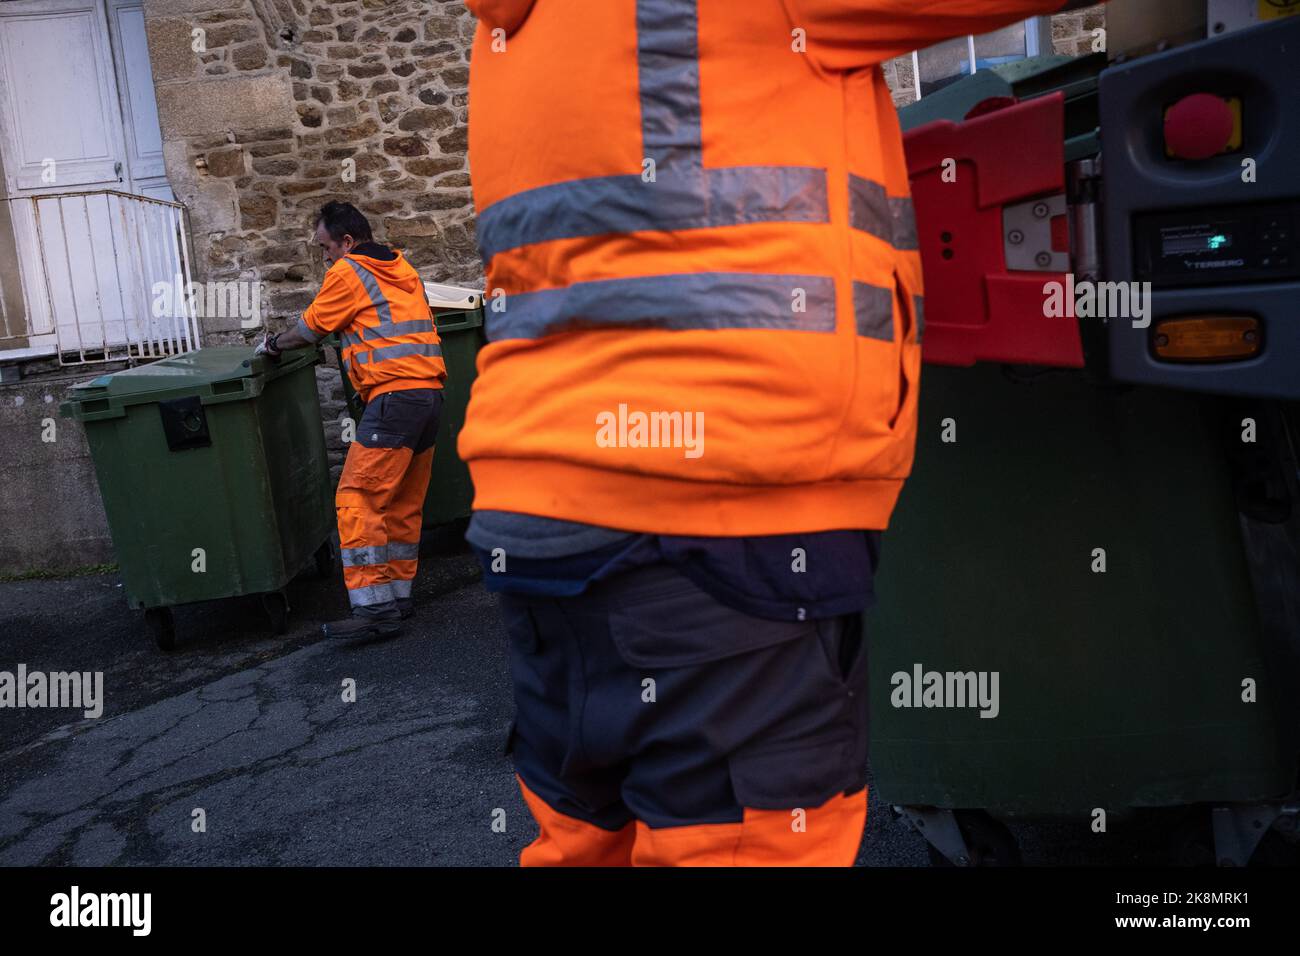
point(900, 77)
point(1072, 33)
point(269, 108)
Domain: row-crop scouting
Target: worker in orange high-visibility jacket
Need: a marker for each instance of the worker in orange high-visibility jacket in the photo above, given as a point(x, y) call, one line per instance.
point(696, 407)
point(375, 301)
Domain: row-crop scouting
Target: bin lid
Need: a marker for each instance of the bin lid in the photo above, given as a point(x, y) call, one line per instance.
point(1025, 79)
point(452, 296)
point(207, 372)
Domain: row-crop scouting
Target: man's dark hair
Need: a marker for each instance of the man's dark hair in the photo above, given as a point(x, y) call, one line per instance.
point(344, 219)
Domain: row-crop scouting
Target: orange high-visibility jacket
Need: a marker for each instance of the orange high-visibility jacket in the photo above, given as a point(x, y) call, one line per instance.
point(379, 309)
point(698, 208)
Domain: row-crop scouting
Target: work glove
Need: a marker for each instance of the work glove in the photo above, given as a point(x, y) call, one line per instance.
point(268, 348)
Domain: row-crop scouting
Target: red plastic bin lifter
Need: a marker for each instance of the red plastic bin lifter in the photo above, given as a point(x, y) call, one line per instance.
point(976, 308)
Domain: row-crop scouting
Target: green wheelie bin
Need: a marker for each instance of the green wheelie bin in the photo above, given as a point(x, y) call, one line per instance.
point(1082, 615)
point(1067, 621)
point(459, 315)
point(214, 476)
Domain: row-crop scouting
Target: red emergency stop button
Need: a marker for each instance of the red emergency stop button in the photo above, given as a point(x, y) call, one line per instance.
point(1199, 126)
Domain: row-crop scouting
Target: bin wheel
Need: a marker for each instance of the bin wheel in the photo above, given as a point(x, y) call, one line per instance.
point(989, 841)
point(277, 609)
point(162, 627)
point(325, 560)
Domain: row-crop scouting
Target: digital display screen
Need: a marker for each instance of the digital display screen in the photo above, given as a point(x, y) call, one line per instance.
point(1221, 245)
point(1182, 243)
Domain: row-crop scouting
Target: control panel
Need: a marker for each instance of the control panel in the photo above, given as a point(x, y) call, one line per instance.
point(1201, 213)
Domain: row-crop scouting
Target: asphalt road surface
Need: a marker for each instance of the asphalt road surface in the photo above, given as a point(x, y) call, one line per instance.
point(254, 731)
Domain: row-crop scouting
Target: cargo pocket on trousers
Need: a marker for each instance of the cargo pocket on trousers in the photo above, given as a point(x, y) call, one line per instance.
point(375, 430)
point(797, 774)
point(843, 642)
point(521, 633)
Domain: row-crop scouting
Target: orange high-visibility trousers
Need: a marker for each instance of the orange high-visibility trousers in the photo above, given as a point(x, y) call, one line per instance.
point(828, 835)
point(380, 498)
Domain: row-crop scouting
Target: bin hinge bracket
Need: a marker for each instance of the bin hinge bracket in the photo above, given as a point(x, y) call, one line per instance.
point(1238, 830)
point(940, 829)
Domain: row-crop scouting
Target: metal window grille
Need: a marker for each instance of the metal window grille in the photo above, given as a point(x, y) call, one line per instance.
point(107, 273)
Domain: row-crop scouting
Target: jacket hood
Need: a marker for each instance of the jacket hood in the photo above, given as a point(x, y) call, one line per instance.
point(507, 14)
point(398, 272)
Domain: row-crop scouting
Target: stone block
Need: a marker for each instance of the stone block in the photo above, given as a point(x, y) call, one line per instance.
point(203, 107)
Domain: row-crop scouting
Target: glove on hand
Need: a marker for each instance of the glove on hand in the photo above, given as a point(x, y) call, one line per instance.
point(267, 347)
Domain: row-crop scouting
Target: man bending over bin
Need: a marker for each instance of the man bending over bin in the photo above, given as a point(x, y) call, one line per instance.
point(375, 301)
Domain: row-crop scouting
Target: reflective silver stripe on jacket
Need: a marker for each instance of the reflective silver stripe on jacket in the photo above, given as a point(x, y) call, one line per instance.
point(886, 217)
point(698, 300)
point(390, 329)
point(873, 311)
point(387, 327)
point(306, 332)
point(375, 356)
point(371, 285)
point(683, 194)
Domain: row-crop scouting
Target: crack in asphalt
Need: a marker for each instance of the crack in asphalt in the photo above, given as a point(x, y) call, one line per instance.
point(264, 685)
point(286, 770)
point(147, 804)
